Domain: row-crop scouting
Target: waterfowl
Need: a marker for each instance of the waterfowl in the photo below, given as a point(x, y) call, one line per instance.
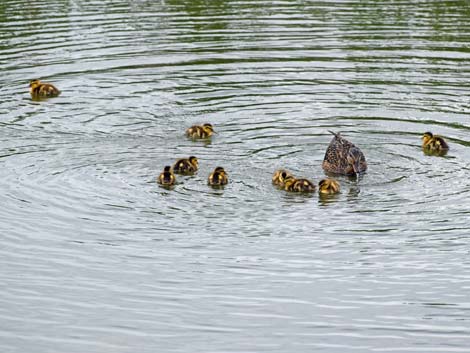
point(186, 165)
point(200, 131)
point(167, 177)
point(279, 177)
point(298, 185)
point(434, 143)
point(218, 177)
point(343, 157)
point(42, 90)
point(328, 187)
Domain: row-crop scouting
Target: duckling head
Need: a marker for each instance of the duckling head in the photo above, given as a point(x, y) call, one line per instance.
point(283, 175)
point(193, 160)
point(219, 170)
point(34, 83)
point(208, 127)
point(426, 137)
point(279, 176)
point(167, 168)
point(354, 159)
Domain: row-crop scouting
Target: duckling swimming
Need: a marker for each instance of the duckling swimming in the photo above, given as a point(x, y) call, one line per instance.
point(280, 176)
point(343, 157)
point(186, 165)
point(218, 177)
point(328, 187)
point(200, 132)
point(298, 185)
point(434, 144)
point(167, 177)
point(42, 90)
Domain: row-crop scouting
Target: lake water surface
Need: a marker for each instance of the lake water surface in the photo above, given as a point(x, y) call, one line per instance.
point(96, 257)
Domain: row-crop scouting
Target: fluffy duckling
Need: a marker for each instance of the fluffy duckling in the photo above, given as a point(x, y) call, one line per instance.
point(200, 131)
point(298, 185)
point(186, 165)
point(280, 176)
point(42, 90)
point(167, 178)
point(218, 177)
point(343, 157)
point(328, 187)
point(434, 143)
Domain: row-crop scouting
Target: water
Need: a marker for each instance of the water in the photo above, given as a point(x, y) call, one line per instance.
point(96, 257)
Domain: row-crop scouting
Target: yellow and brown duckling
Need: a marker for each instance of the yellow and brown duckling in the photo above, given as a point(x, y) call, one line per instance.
point(218, 177)
point(343, 157)
point(298, 185)
point(39, 89)
point(280, 176)
point(186, 165)
point(167, 178)
point(434, 144)
point(328, 187)
point(200, 131)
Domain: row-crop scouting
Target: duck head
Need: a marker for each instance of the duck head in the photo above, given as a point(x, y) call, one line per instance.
point(354, 159)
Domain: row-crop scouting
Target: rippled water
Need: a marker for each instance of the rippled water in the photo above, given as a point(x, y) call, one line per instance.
point(96, 257)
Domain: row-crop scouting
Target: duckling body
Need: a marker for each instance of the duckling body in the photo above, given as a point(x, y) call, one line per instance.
point(298, 185)
point(218, 177)
point(343, 157)
point(186, 165)
point(200, 131)
point(167, 177)
point(279, 177)
point(328, 187)
point(42, 90)
point(434, 144)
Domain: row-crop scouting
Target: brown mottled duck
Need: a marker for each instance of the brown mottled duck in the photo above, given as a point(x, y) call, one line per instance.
point(218, 177)
point(434, 144)
point(343, 157)
point(328, 187)
point(186, 165)
point(200, 131)
point(39, 89)
point(166, 178)
point(298, 185)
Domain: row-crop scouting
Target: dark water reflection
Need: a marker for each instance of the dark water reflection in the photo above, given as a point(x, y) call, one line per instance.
point(96, 257)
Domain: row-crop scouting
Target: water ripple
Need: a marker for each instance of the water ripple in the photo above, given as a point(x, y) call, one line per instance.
point(97, 257)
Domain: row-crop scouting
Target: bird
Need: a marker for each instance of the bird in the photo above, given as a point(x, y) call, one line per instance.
point(343, 157)
point(279, 177)
point(186, 165)
point(42, 90)
point(200, 131)
point(167, 177)
point(434, 144)
point(218, 177)
point(298, 185)
point(328, 187)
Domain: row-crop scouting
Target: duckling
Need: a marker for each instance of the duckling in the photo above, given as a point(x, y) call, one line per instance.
point(280, 176)
point(186, 165)
point(200, 132)
point(167, 178)
point(42, 90)
point(328, 187)
point(218, 177)
point(343, 157)
point(434, 143)
point(298, 185)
